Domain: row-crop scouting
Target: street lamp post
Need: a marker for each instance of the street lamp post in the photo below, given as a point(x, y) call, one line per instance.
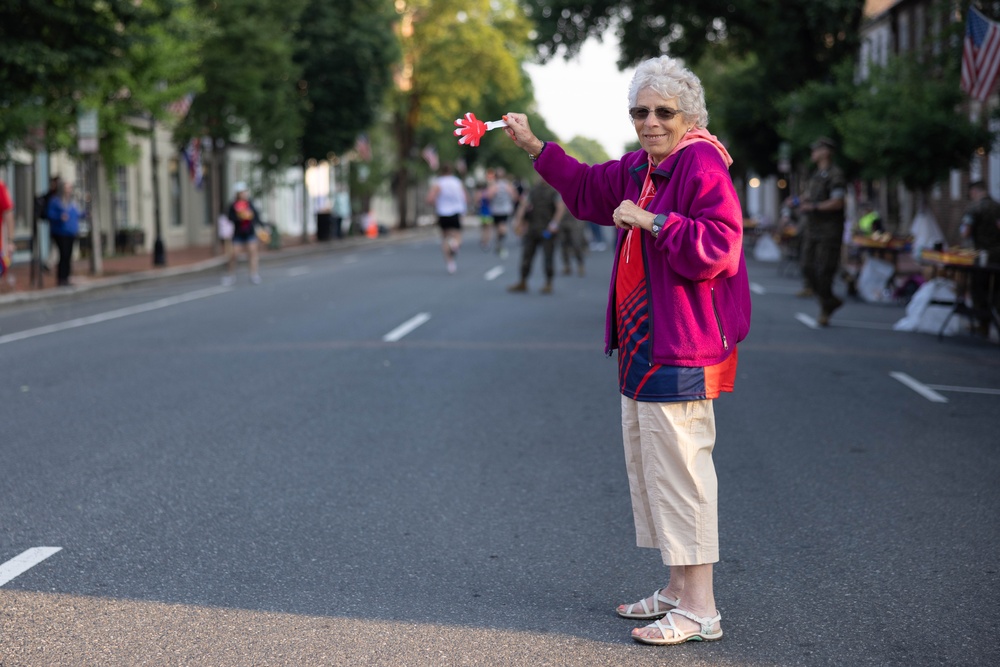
point(159, 252)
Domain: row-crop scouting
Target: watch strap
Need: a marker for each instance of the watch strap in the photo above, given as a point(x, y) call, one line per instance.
point(658, 223)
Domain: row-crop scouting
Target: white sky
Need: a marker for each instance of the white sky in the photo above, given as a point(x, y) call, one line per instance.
point(586, 96)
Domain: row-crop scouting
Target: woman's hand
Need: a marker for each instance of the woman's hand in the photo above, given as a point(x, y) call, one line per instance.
point(520, 133)
point(628, 214)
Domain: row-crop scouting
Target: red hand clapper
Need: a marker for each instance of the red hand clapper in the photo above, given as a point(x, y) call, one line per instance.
point(471, 129)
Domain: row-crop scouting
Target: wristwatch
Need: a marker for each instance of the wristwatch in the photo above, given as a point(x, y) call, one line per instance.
point(658, 223)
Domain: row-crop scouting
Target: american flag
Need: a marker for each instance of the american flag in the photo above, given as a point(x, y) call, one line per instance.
point(363, 148)
point(980, 56)
point(430, 156)
point(192, 155)
point(180, 107)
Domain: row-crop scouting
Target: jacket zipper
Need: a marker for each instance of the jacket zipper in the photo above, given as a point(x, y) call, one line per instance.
point(649, 297)
point(718, 322)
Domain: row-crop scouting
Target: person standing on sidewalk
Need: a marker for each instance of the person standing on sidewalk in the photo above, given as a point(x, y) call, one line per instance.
point(64, 217)
point(678, 306)
point(823, 205)
point(537, 222)
point(6, 228)
point(245, 219)
point(447, 195)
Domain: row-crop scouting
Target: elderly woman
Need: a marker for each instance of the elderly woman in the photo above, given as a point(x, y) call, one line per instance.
point(679, 303)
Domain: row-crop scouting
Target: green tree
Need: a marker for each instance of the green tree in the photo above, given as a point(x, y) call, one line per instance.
point(250, 84)
point(775, 47)
point(904, 123)
point(345, 50)
point(453, 51)
point(812, 111)
point(587, 150)
point(158, 69)
point(741, 112)
point(53, 53)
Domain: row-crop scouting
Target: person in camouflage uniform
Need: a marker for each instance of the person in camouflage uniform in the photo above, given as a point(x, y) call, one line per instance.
point(537, 221)
point(981, 226)
point(823, 206)
point(981, 222)
point(572, 232)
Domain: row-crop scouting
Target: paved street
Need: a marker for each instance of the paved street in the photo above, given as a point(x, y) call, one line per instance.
point(367, 461)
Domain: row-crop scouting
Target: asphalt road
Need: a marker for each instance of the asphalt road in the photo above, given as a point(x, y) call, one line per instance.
point(256, 476)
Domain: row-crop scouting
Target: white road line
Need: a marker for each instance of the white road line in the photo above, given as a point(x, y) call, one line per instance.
point(806, 320)
point(965, 390)
point(22, 563)
point(918, 387)
point(406, 327)
point(298, 271)
point(494, 273)
point(757, 288)
point(113, 314)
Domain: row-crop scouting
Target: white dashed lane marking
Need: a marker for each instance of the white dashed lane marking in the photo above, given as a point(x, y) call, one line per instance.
point(113, 314)
point(918, 387)
point(406, 327)
point(20, 564)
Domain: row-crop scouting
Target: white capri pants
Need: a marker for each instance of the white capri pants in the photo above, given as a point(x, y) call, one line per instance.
point(671, 476)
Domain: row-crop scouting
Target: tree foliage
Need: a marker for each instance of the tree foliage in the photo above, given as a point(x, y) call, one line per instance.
point(903, 123)
point(772, 46)
point(797, 39)
point(737, 94)
point(812, 111)
point(453, 52)
point(250, 79)
point(54, 53)
point(345, 50)
point(587, 150)
point(157, 70)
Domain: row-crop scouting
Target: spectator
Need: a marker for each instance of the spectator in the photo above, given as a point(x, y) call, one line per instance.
point(6, 227)
point(537, 222)
point(64, 218)
point(981, 226)
point(823, 206)
point(679, 303)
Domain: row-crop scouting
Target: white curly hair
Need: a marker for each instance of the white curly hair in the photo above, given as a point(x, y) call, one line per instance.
point(669, 78)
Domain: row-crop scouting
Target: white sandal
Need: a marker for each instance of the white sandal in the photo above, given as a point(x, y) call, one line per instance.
point(702, 634)
point(647, 614)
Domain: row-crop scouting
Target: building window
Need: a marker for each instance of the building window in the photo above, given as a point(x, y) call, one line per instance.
point(207, 184)
point(175, 191)
point(119, 200)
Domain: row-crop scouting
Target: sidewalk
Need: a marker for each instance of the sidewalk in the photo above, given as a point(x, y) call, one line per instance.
point(16, 286)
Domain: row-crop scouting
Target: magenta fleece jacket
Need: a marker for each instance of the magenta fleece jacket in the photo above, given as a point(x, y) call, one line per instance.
point(699, 293)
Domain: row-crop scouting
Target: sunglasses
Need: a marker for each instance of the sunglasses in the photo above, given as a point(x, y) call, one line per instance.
point(662, 113)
